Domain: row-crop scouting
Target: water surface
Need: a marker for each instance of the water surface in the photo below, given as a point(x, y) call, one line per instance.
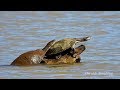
point(22, 31)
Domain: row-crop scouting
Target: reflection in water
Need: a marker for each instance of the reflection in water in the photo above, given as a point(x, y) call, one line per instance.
point(25, 31)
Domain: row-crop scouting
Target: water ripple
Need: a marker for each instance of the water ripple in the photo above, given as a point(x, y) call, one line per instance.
point(28, 30)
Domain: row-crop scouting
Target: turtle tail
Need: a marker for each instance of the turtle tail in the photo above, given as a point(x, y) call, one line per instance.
point(82, 39)
point(48, 46)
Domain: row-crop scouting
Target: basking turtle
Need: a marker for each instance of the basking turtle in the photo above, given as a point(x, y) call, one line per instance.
point(32, 57)
point(62, 45)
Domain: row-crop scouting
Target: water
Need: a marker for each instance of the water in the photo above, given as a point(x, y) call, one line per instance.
point(22, 31)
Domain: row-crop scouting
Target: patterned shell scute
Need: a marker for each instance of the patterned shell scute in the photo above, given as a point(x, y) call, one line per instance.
point(60, 46)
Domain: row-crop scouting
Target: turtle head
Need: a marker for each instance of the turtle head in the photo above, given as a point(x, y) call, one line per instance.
point(78, 40)
point(82, 39)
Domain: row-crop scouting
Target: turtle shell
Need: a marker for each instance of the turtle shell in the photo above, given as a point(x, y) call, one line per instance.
point(64, 44)
point(61, 46)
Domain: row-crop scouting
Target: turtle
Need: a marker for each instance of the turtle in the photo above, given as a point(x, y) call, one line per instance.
point(32, 57)
point(63, 45)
